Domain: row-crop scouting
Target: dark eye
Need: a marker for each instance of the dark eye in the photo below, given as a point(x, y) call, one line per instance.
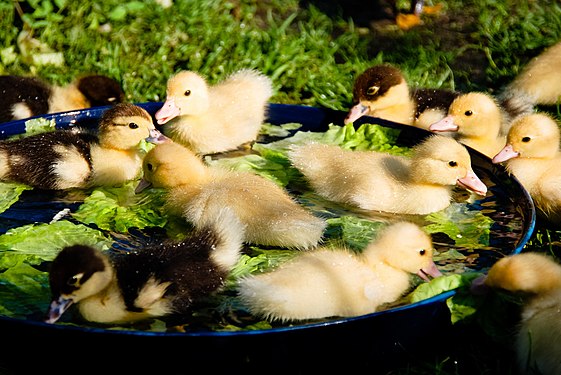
point(422, 252)
point(526, 139)
point(187, 93)
point(132, 125)
point(149, 166)
point(74, 280)
point(372, 90)
point(452, 163)
point(468, 112)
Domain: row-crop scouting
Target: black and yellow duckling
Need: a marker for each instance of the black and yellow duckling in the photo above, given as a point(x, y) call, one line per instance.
point(77, 158)
point(159, 280)
point(24, 97)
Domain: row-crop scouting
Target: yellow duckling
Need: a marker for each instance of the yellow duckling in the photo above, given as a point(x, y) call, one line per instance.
point(477, 120)
point(24, 97)
point(197, 191)
point(159, 280)
point(337, 282)
point(380, 181)
point(533, 156)
point(382, 91)
point(538, 278)
point(74, 158)
point(217, 118)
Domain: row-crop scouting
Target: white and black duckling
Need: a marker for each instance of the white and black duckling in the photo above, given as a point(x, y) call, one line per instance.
point(539, 82)
point(533, 156)
point(477, 121)
point(161, 279)
point(379, 181)
point(197, 191)
point(339, 282)
point(77, 158)
point(215, 118)
point(537, 278)
point(24, 97)
point(382, 91)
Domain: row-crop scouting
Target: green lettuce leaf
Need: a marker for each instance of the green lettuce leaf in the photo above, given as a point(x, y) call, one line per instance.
point(10, 193)
point(24, 291)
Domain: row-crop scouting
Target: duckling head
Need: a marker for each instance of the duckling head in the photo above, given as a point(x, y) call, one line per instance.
point(534, 135)
point(470, 115)
point(376, 88)
point(186, 94)
point(440, 160)
point(405, 246)
point(100, 90)
point(77, 272)
point(169, 165)
point(124, 125)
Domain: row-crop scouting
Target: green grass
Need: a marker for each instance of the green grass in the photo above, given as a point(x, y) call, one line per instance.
point(312, 56)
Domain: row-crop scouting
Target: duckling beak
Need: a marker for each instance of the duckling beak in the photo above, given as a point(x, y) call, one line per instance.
point(57, 308)
point(444, 125)
point(156, 137)
point(143, 184)
point(431, 270)
point(505, 154)
point(356, 112)
point(168, 111)
point(473, 183)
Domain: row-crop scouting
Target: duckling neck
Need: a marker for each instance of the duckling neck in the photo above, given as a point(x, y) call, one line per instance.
point(67, 98)
point(397, 106)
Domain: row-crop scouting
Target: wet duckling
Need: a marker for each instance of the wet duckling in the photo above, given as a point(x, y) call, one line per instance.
point(77, 158)
point(379, 181)
point(24, 97)
point(533, 156)
point(382, 91)
point(338, 282)
point(197, 191)
point(539, 82)
point(478, 122)
point(537, 277)
point(159, 280)
point(217, 118)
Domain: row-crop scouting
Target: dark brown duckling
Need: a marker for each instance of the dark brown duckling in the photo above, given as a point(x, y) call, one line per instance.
point(24, 97)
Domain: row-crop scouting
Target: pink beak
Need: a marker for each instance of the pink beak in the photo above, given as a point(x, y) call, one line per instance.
point(356, 112)
point(505, 154)
point(444, 125)
point(431, 270)
point(473, 183)
point(168, 111)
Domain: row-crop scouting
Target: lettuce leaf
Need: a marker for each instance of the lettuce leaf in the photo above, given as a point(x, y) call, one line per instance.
point(10, 193)
point(24, 291)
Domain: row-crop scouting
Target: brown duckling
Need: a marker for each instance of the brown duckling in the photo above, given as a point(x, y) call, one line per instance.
point(24, 97)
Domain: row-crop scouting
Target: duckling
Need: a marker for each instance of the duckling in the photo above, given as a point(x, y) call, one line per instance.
point(539, 82)
point(24, 97)
point(533, 156)
point(159, 280)
point(338, 282)
point(378, 181)
point(477, 120)
point(538, 278)
point(77, 158)
point(218, 118)
point(382, 91)
point(197, 191)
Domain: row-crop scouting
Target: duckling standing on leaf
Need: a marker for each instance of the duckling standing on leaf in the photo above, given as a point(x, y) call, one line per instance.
point(217, 118)
point(24, 97)
point(537, 277)
point(156, 281)
point(197, 191)
point(337, 282)
point(76, 158)
point(379, 181)
point(533, 156)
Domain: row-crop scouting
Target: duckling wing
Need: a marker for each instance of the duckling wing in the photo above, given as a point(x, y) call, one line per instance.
point(23, 97)
point(435, 99)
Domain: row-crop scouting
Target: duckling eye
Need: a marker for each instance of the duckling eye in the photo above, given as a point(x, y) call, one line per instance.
point(526, 139)
point(187, 93)
point(149, 166)
point(133, 125)
point(74, 280)
point(468, 113)
point(452, 163)
point(372, 90)
point(422, 252)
